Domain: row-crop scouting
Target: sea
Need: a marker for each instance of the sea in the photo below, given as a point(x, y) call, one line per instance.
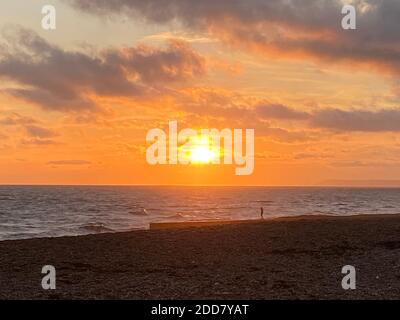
point(54, 211)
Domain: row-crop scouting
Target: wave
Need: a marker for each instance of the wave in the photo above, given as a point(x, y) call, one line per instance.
point(263, 201)
point(179, 216)
point(143, 213)
point(58, 211)
point(96, 227)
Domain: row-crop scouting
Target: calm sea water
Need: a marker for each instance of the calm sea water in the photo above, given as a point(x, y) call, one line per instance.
point(50, 211)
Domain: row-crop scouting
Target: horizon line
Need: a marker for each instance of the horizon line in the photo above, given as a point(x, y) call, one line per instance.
point(204, 185)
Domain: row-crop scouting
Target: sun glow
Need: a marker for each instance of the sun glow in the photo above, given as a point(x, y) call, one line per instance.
point(201, 150)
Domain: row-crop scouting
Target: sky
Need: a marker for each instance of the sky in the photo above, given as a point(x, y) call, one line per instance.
point(76, 102)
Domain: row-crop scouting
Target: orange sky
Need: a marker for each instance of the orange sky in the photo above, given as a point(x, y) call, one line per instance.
point(76, 103)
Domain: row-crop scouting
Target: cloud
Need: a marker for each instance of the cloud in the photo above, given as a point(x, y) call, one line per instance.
point(68, 162)
point(278, 111)
point(354, 120)
point(311, 155)
point(357, 120)
point(239, 111)
point(62, 80)
point(38, 142)
point(283, 28)
point(36, 133)
point(16, 119)
point(177, 63)
point(353, 163)
point(221, 109)
point(281, 134)
point(230, 105)
point(40, 132)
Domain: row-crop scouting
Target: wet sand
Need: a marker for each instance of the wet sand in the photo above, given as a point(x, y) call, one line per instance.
point(290, 258)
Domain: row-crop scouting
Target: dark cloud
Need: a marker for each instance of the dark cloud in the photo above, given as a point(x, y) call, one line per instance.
point(229, 105)
point(284, 27)
point(201, 13)
point(357, 120)
point(63, 80)
point(16, 119)
point(37, 134)
point(278, 111)
point(40, 132)
point(263, 129)
point(178, 62)
point(52, 101)
point(218, 110)
point(219, 106)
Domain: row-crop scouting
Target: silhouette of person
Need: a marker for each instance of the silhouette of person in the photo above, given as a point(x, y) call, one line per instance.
point(262, 212)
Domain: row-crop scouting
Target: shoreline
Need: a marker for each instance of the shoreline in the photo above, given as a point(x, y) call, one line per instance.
point(284, 258)
point(213, 222)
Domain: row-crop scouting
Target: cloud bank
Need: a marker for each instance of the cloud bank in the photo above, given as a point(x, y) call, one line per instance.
point(62, 80)
point(291, 28)
point(259, 115)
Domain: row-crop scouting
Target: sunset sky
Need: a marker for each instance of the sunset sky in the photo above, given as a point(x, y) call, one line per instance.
point(76, 103)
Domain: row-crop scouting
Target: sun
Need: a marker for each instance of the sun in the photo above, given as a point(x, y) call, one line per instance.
point(201, 155)
point(201, 150)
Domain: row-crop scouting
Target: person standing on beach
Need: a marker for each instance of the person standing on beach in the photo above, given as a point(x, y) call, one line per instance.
point(262, 212)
